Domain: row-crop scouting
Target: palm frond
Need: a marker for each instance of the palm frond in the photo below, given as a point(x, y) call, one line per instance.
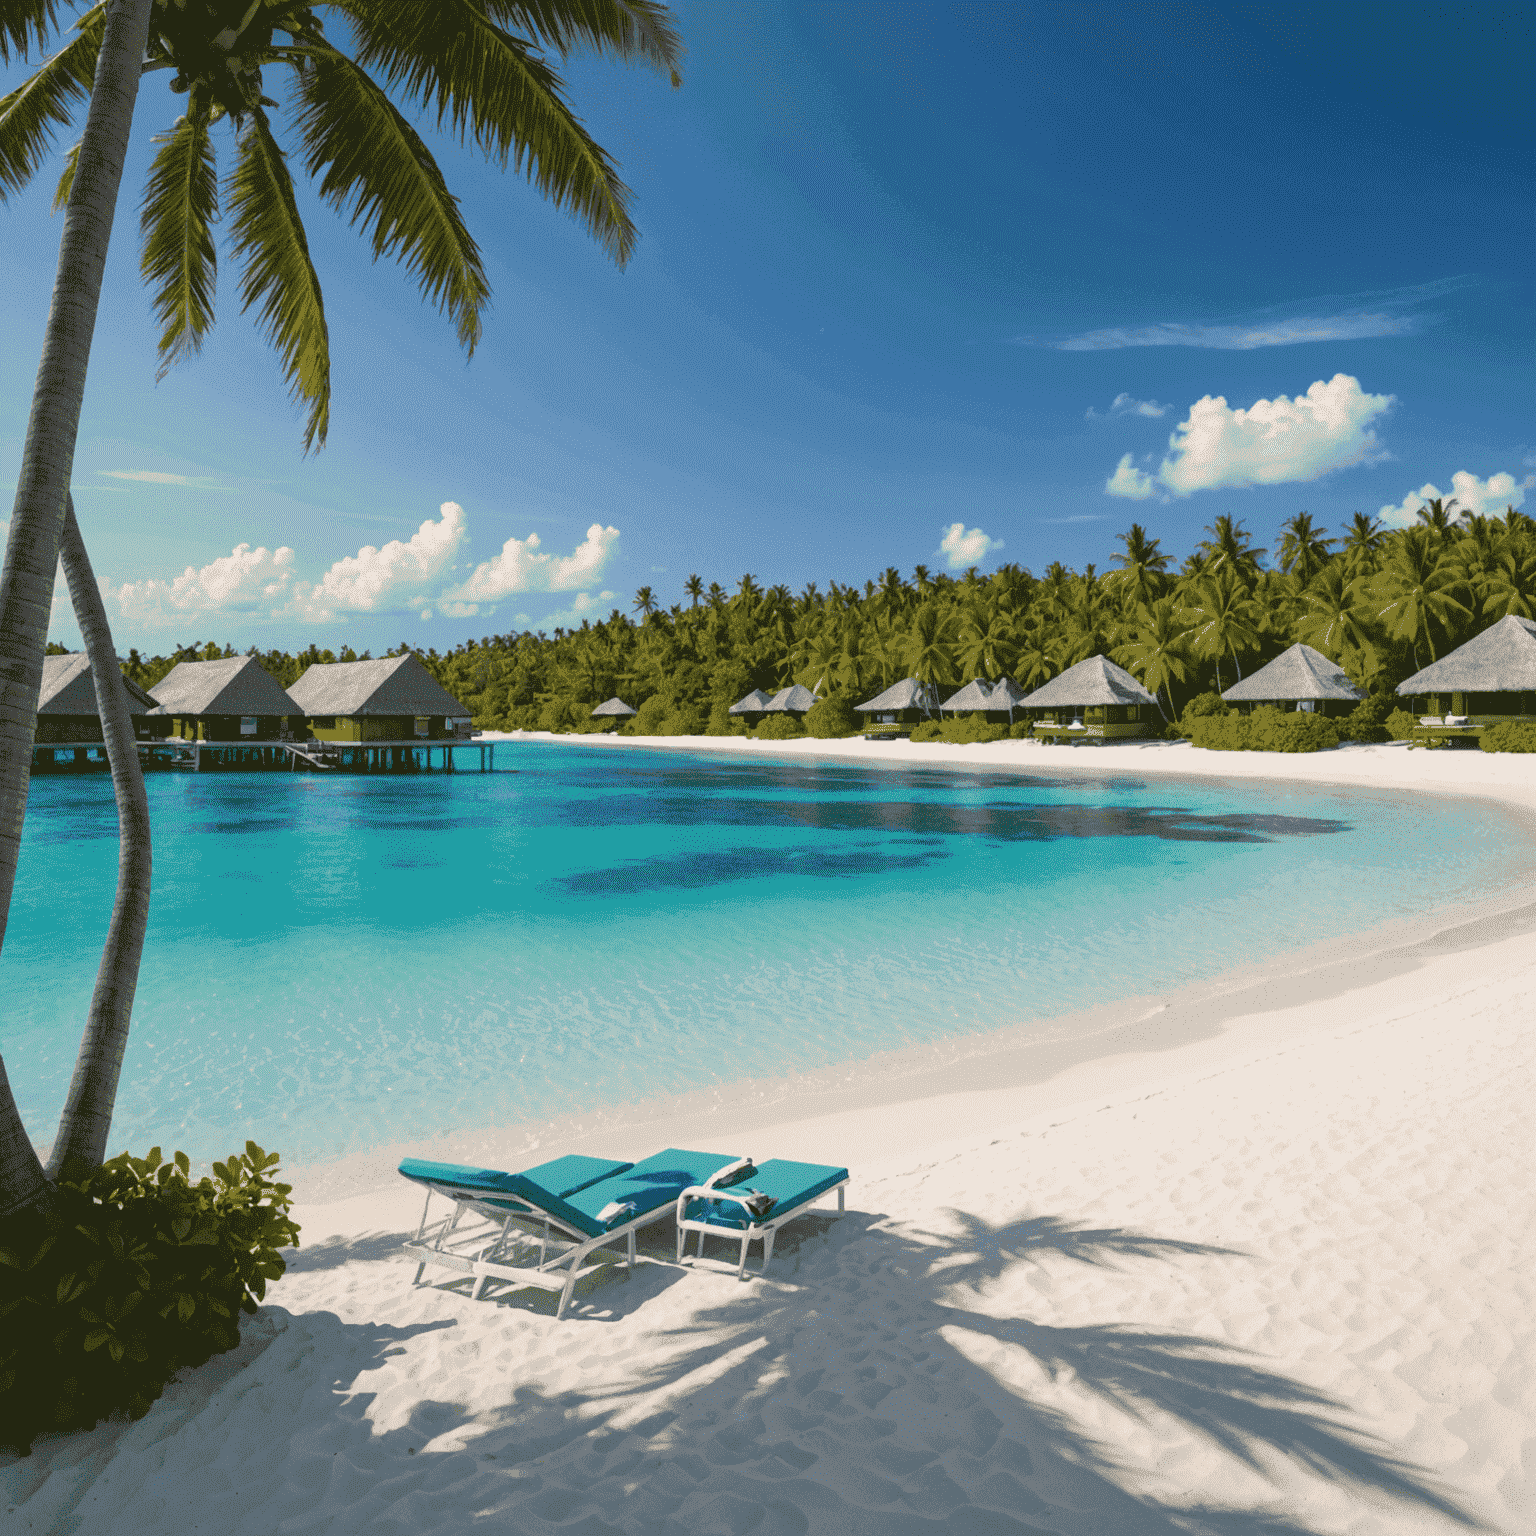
point(637, 31)
point(487, 84)
point(32, 113)
point(67, 176)
point(376, 164)
point(268, 236)
point(23, 23)
point(181, 205)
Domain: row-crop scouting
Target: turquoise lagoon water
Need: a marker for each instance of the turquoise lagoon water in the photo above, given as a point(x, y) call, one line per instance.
point(340, 963)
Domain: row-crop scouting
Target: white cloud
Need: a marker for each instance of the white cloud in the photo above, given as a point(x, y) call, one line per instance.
point(1244, 337)
point(1128, 481)
point(523, 567)
point(244, 581)
point(585, 605)
point(1272, 442)
point(387, 580)
point(962, 548)
point(149, 476)
point(1126, 405)
point(1474, 497)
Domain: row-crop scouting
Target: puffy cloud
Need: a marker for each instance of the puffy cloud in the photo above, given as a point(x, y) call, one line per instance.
point(1474, 497)
point(522, 566)
point(585, 605)
point(1272, 442)
point(244, 581)
point(962, 548)
point(390, 579)
point(1127, 405)
point(1128, 481)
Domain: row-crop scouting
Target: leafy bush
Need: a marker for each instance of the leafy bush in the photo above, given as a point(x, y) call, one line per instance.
point(1020, 729)
point(975, 727)
point(1509, 736)
point(564, 714)
point(1400, 724)
point(1367, 721)
point(134, 1273)
point(830, 717)
point(723, 723)
point(1204, 705)
point(927, 730)
point(682, 720)
point(1265, 730)
point(779, 727)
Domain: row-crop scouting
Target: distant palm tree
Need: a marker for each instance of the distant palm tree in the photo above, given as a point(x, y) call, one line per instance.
point(1227, 545)
point(1338, 618)
point(1421, 588)
point(1362, 544)
point(644, 603)
point(1436, 513)
point(1154, 649)
point(1304, 549)
point(747, 591)
point(1511, 584)
point(1143, 569)
point(1222, 618)
point(985, 641)
point(695, 590)
point(929, 653)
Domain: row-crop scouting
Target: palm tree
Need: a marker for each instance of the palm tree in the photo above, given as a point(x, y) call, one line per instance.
point(1304, 550)
point(1436, 514)
point(644, 603)
point(985, 641)
point(1226, 544)
point(1154, 649)
point(695, 590)
point(1420, 587)
point(483, 80)
point(1511, 585)
point(1222, 618)
point(1362, 544)
point(929, 654)
point(1338, 619)
point(1143, 569)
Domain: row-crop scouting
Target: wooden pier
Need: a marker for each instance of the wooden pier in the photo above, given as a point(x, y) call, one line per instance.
point(174, 753)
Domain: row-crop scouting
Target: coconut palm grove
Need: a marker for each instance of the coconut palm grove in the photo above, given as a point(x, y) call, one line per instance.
point(1382, 603)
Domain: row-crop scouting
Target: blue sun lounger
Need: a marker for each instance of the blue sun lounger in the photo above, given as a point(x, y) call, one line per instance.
point(754, 1204)
point(548, 1223)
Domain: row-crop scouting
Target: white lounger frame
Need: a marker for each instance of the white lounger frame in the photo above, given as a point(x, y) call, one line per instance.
point(507, 1253)
point(762, 1232)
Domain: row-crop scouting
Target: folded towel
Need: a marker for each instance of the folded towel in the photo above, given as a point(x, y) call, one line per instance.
point(758, 1203)
point(616, 1211)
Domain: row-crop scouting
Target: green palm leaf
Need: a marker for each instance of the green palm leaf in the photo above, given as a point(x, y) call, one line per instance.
point(487, 84)
point(268, 235)
point(67, 176)
point(38, 107)
point(181, 205)
point(23, 23)
point(633, 29)
point(374, 161)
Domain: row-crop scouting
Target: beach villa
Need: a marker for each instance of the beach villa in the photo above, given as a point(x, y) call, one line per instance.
point(1093, 701)
point(394, 699)
point(1299, 678)
point(1489, 681)
point(751, 707)
point(614, 710)
point(997, 701)
point(899, 708)
point(68, 725)
point(230, 700)
point(794, 701)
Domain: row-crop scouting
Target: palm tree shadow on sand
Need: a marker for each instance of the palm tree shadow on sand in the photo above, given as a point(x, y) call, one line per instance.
point(858, 1390)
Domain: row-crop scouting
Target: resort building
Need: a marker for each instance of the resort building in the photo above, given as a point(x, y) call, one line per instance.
point(1093, 701)
point(615, 711)
point(899, 708)
point(793, 700)
point(394, 699)
point(1299, 678)
point(231, 700)
point(750, 709)
point(1488, 681)
point(997, 701)
point(68, 723)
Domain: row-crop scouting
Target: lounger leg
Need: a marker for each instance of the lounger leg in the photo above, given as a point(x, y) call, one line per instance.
point(741, 1268)
point(768, 1238)
point(631, 1250)
point(682, 1242)
point(840, 1189)
point(420, 1270)
point(565, 1295)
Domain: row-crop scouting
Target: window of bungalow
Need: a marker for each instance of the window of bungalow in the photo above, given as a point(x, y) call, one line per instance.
point(248, 724)
point(423, 725)
point(323, 723)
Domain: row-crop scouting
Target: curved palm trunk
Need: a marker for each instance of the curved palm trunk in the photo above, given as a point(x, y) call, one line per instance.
point(32, 550)
point(81, 1142)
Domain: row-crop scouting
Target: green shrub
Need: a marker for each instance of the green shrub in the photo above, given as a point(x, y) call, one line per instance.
point(682, 720)
point(723, 723)
point(134, 1273)
point(1265, 730)
point(646, 721)
point(1400, 724)
point(1509, 736)
point(927, 730)
point(779, 727)
point(1204, 705)
point(564, 714)
point(1020, 729)
point(1367, 721)
point(830, 717)
point(973, 728)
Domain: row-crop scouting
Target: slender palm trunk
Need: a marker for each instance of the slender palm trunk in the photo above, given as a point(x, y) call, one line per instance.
point(37, 519)
point(81, 1142)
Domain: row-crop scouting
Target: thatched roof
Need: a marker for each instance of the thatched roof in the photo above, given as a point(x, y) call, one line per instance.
point(612, 707)
point(237, 685)
point(754, 704)
point(907, 694)
point(393, 685)
point(68, 688)
point(792, 698)
point(1299, 673)
point(1500, 660)
point(977, 694)
point(1006, 693)
point(1095, 681)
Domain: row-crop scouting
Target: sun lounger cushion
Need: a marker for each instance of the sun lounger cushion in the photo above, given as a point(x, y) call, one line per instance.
point(658, 1181)
point(544, 1187)
point(789, 1184)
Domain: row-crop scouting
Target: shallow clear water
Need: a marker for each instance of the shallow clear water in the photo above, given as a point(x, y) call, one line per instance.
point(340, 963)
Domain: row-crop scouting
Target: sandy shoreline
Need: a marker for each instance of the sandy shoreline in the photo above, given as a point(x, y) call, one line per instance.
point(1266, 1253)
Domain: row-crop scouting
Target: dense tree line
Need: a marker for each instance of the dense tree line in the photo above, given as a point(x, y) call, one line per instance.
point(1382, 603)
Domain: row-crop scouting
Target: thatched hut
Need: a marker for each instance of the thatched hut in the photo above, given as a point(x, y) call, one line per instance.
point(68, 724)
point(614, 710)
point(899, 708)
point(233, 700)
point(793, 700)
point(1299, 678)
point(393, 699)
point(997, 701)
point(753, 704)
point(1093, 701)
point(1488, 681)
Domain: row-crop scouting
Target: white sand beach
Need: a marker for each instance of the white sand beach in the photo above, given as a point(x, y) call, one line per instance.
point(1266, 1263)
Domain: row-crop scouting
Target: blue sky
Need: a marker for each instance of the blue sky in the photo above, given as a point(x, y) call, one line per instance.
point(1037, 271)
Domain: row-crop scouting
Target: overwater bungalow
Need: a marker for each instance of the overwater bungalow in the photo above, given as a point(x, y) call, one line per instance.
point(997, 701)
point(793, 700)
point(393, 700)
point(231, 700)
point(1093, 701)
point(615, 711)
point(1299, 678)
point(68, 724)
point(1488, 681)
point(750, 708)
point(898, 709)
